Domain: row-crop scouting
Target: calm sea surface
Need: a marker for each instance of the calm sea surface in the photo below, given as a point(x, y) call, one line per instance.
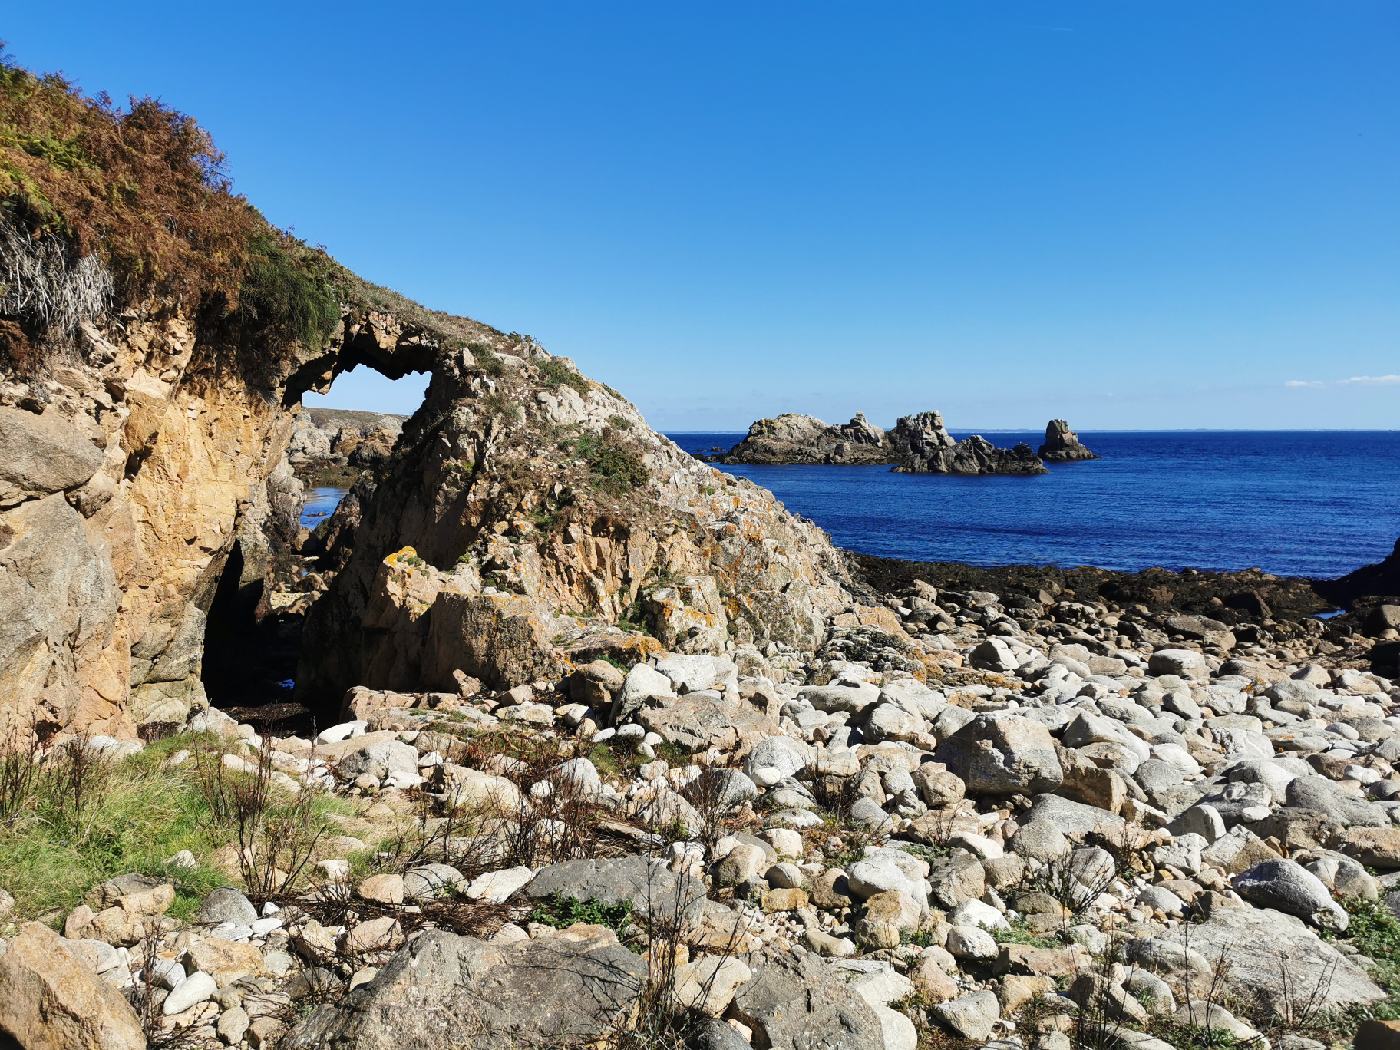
point(1308, 504)
point(1295, 503)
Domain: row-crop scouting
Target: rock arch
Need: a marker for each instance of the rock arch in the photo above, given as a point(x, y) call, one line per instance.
point(131, 475)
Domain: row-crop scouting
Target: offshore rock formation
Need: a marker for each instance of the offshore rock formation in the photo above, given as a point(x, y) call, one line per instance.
point(527, 509)
point(794, 438)
point(919, 444)
point(922, 445)
point(1062, 445)
point(331, 446)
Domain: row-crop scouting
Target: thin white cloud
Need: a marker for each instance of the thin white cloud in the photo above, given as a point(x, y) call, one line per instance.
point(1312, 384)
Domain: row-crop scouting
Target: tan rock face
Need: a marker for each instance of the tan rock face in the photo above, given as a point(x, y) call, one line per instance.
point(49, 1000)
point(524, 505)
point(527, 505)
point(120, 502)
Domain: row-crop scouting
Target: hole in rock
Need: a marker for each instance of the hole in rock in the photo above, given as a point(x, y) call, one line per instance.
point(253, 629)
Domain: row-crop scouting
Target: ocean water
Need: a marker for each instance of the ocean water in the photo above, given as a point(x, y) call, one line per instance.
point(320, 503)
point(1296, 503)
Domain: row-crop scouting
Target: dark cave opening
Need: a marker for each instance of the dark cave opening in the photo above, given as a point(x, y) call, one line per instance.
point(253, 627)
point(250, 651)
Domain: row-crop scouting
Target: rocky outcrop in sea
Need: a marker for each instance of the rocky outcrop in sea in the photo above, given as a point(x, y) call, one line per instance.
point(918, 444)
point(1062, 445)
point(922, 445)
point(793, 438)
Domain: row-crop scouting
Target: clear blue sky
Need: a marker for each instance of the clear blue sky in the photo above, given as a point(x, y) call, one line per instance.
point(1178, 214)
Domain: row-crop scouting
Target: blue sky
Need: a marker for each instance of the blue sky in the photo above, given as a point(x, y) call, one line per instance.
point(1129, 214)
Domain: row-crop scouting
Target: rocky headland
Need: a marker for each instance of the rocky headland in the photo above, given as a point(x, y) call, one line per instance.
point(609, 750)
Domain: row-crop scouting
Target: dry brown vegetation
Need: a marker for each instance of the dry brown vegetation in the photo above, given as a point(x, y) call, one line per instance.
point(143, 187)
point(105, 207)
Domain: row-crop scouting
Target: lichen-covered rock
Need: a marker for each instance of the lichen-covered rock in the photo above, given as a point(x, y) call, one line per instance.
point(51, 1000)
point(799, 1003)
point(1003, 755)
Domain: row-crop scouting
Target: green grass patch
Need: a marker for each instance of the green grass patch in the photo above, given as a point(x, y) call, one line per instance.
point(1375, 932)
point(1019, 933)
point(138, 816)
point(290, 289)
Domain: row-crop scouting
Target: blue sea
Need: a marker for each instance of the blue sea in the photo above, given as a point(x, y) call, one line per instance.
point(1294, 503)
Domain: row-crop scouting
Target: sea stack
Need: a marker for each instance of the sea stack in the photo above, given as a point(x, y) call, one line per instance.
point(922, 445)
point(1062, 445)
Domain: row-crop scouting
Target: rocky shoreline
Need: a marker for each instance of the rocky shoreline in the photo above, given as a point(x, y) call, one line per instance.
point(991, 816)
point(602, 747)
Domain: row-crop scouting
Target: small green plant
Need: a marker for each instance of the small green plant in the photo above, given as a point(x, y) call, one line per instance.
point(1020, 933)
point(487, 359)
point(619, 422)
point(554, 373)
point(928, 853)
point(547, 519)
point(1375, 932)
point(561, 912)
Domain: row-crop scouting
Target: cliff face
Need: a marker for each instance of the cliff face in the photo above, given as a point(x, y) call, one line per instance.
point(132, 471)
point(529, 518)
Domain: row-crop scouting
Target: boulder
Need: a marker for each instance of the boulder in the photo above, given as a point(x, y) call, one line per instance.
point(1275, 956)
point(1289, 887)
point(704, 719)
point(1003, 755)
point(50, 1000)
point(442, 991)
point(1183, 663)
point(645, 884)
point(798, 1002)
point(42, 454)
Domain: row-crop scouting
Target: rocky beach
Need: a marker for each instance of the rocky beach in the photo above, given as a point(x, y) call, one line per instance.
point(584, 742)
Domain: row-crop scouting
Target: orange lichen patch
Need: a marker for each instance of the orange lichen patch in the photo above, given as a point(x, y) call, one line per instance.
point(403, 558)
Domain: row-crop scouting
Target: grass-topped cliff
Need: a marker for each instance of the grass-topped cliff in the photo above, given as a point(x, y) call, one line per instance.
point(105, 208)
